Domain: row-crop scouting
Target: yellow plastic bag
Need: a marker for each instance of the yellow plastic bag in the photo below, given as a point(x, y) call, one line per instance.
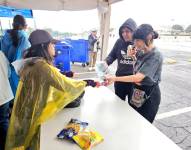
point(42, 92)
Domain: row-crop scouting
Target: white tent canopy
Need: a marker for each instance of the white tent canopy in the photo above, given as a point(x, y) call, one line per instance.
point(72, 5)
point(103, 6)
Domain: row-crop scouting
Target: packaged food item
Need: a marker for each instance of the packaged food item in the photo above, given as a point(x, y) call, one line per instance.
point(87, 139)
point(73, 127)
point(77, 131)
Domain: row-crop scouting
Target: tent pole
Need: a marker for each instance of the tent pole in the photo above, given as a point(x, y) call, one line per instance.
point(1, 28)
point(104, 18)
point(10, 24)
point(34, 21)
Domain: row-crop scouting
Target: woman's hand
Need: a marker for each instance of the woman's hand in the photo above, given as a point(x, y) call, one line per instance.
point(132, 52)
point(110, 79)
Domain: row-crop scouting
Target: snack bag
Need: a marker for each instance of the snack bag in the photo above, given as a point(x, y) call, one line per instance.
point(87, 139)
point(76, 131)
point(73, 128)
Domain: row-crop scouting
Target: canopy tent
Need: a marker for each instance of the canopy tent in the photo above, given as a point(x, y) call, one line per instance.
point(73, 5)
point(103, 6)
point(11, 12)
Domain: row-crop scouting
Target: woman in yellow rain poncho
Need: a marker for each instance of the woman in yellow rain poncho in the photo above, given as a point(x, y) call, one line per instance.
point(41, 93)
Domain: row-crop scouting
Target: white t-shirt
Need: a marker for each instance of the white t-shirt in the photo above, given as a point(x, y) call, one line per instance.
point(6, 93)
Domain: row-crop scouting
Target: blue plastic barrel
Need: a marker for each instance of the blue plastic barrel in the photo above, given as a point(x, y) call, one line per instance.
point(62, 59)
point(79, 51)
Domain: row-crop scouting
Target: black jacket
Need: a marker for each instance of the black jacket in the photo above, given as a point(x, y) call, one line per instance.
point(119, 51)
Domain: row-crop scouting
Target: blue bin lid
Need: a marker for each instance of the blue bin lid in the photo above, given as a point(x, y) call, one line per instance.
point(64, 43)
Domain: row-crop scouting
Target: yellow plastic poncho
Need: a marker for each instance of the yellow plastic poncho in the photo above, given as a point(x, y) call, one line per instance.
point(42, 92)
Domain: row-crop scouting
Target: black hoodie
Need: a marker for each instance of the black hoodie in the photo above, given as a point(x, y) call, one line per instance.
point(119, 51)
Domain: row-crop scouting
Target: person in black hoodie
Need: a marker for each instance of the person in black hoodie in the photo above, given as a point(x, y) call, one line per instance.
point(125, 63)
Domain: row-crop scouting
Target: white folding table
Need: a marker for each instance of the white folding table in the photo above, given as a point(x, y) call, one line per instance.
point(121, 126)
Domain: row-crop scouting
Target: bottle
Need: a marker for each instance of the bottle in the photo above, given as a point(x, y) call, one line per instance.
point(101, 70)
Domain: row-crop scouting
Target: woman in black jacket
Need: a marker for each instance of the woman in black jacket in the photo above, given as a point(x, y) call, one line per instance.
point(125, 64)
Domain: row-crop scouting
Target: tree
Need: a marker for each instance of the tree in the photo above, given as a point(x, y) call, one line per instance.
point(49, 30)
point(177, 27)
point(188, 29)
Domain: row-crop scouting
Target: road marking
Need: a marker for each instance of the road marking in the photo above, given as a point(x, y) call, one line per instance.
point(170, 61)
point(173, 113)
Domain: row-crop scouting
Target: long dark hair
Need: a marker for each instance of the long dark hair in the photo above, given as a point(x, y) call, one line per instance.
point(19, 23)
point(40, 50)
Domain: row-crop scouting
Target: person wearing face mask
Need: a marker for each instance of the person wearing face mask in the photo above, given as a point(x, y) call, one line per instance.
point(124, 63)
point(147, 73)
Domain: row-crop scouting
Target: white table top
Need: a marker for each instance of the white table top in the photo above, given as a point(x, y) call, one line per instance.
point(121, 126)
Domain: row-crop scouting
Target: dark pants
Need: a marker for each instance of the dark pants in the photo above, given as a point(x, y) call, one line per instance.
point(4, 123)
point(123, 90)
point(150, 107)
